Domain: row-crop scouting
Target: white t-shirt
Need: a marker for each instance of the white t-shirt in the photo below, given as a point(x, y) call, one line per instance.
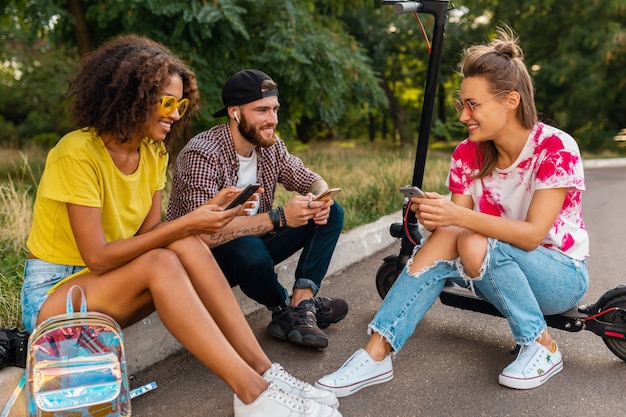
point(550, 159)
point(248, 175)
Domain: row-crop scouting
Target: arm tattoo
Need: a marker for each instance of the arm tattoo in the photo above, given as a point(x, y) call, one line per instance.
point(220, 238)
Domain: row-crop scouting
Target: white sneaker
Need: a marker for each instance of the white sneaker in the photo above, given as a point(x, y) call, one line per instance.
point(358, 372)
point(274, 402)
point(534, 365)
point(291, 384)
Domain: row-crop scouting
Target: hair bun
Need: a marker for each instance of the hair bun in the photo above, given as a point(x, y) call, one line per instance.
point(505, 49)
point(506, 44)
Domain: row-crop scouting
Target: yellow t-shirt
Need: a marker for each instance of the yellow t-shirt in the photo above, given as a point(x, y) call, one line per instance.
point(79, 170)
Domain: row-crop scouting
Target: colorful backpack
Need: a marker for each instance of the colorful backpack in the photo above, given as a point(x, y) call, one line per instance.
point(76, 366)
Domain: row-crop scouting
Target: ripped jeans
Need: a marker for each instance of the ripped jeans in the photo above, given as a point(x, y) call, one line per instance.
point(523, 285)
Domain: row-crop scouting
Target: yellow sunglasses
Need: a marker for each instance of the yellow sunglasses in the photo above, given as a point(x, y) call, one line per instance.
point(171, 103)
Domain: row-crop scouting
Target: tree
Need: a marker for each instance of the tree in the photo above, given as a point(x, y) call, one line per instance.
point(344, 67)
point(320, 69)
point(576, 53)
point(33, 80)
point(399, 55)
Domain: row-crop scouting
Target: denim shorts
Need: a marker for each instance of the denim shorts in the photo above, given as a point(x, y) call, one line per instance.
point(39, 277)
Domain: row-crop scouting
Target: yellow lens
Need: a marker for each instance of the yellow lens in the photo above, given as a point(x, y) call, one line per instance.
point(168, 104)
point(183, 105)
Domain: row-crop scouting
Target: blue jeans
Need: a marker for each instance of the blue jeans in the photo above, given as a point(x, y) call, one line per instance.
point(39, 277)
point(249, 261)
point(523, 285)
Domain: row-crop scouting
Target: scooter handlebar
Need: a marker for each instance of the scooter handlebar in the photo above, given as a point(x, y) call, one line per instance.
point(408, 7)
point(434, 7)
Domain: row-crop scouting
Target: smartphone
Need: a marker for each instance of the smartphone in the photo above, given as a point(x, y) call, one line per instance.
point(412, 191)
point(243, 196)
point(328, 194)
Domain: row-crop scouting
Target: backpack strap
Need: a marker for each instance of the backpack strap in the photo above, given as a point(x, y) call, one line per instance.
point(70, 305)
point(14, 395)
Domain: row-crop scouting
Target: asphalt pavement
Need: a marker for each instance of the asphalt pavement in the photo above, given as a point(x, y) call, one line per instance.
point(451, 364)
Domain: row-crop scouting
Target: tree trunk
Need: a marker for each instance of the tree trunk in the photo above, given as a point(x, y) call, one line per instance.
point(80, 28)
point(441, 102)
point(372, 127)
point(398, 114)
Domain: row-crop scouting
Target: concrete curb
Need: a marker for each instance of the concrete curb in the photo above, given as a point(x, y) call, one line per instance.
point(605, 163)
point(9, 377)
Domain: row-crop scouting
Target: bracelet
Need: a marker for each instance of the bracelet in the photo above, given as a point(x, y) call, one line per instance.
point(275, 218)
point(282, 215)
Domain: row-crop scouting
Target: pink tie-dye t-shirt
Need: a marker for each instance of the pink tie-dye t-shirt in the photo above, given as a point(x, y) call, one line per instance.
point(550, 159)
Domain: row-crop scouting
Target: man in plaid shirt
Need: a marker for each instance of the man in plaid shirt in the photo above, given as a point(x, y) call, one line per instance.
point(243, 151)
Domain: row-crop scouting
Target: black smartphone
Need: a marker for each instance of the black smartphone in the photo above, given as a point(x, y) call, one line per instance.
point(243, 196)
point(412, 191)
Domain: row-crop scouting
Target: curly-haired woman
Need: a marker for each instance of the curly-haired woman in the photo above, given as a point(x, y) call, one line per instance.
point(97, 224)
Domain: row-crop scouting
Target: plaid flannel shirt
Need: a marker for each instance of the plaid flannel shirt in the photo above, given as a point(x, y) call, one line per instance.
point(209, 163)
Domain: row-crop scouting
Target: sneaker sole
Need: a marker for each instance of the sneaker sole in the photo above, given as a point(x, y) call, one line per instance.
point(347, 390)
point(296, 337)
point(528, 383)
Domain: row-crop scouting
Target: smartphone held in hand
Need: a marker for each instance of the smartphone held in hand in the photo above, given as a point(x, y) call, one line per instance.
point(243, 196)
point(328, 194)
point(412, 191)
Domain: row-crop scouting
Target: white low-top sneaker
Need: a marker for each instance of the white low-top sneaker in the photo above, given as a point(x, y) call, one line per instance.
point(358, 372)
point(274, 402)
point(290, 383)
point(534, 365)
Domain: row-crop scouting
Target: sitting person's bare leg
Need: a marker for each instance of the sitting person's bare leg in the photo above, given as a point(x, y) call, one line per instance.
point(159, 277)
point(219, 300)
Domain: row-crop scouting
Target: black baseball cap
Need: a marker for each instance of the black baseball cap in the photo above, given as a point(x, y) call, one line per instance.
point(243, 87)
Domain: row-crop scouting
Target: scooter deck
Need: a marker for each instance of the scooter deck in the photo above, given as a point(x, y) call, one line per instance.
point(572, 320)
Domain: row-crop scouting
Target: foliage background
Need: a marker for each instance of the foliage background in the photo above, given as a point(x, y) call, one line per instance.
point(346, 68)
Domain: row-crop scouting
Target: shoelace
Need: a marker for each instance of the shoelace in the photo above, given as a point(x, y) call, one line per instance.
point(354, 369)
point(304, 316)
point(320, 304)
point(538, 359)
point(280, 373)
point(290, 400)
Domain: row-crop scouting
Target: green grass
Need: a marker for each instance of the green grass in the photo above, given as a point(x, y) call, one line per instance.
point(369, 175)
point(16, 203)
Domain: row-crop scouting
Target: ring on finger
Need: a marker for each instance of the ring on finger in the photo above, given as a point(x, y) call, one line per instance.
point(308, 204)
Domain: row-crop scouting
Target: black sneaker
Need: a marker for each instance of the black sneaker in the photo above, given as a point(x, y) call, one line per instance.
point(298, 325)
point(329, 310)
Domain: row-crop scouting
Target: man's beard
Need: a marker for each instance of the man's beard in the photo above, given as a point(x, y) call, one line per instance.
point(252, 135)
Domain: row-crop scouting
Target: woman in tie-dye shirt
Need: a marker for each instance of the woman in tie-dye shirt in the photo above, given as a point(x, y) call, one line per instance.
point(512, 231)
point(549, 159)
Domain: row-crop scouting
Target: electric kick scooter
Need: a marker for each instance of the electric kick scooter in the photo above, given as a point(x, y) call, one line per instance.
point(606, 317)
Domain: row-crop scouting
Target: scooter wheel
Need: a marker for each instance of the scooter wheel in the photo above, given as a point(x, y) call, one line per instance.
point(615, 345)
point(385, 277)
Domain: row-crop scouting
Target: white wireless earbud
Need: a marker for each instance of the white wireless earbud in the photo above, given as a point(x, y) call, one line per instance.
point(236, 117)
